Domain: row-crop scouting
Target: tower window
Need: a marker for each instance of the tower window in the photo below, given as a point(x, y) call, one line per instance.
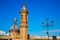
point(26, 16)
point(21, 16)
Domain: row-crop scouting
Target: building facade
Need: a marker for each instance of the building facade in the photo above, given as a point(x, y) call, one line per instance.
point(21, 33)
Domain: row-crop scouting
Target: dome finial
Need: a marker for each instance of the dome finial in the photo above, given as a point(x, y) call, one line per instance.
point(15, 20)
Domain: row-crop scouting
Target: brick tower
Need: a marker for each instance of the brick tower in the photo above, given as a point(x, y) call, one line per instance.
point(23, 24)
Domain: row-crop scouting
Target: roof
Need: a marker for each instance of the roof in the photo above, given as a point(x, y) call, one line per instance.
point(24, 7)
point(14, 26)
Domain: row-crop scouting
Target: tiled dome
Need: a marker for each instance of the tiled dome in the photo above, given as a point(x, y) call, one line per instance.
point(14, 26)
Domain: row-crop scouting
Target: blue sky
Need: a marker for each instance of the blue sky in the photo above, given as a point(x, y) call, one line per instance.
point(38, 11)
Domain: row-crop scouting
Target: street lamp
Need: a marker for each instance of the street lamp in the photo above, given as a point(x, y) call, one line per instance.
point(47, 25)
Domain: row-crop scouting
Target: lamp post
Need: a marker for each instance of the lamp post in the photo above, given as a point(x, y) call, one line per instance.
point(48, 25)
